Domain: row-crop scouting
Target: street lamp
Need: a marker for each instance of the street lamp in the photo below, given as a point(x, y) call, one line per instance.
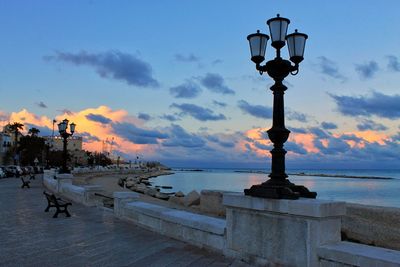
point(278, 186)
point(62, 129)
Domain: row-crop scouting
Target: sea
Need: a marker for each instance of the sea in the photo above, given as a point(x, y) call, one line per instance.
point(371, 189)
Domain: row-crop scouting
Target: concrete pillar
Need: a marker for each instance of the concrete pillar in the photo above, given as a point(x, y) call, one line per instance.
point(63, 178)
point(121, 198)
point(280, 232)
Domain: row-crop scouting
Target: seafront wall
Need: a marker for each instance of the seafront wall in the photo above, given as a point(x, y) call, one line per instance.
point(258, 231)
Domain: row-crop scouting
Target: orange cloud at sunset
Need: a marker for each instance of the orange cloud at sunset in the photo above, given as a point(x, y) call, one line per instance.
point(98, 130)
point(304, 139)
point(372, 136)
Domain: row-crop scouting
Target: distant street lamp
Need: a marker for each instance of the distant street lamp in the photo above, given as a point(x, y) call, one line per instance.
point(62, 128)
point(278, 186)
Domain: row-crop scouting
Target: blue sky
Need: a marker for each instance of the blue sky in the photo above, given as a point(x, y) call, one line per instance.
point(181, 70)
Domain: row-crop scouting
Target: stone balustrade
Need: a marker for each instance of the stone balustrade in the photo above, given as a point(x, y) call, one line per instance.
point(304, 232)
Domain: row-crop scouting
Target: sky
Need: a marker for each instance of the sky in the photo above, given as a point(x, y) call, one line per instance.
point(172, 81)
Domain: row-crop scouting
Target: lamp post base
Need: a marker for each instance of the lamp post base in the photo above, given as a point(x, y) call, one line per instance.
point(288, 191)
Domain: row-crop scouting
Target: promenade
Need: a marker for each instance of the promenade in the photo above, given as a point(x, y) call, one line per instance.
point(90, 237)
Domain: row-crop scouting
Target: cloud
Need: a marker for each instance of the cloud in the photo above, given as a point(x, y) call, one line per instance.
point(329, 68)
point(312, 147)
point(41, 104)
point(263, 146)
point(215, 83)
point(334, 146)
point(351, 137)
point(181, 138)
point(87, 137)
point(4, 116)
point(199, 113)
point(98, 118)
point(295, 148)
point(137, 135)
point(378, 104)
point(367, 70)
point(188, 58)
point(296, 116)
point(396, 137)
point(169, 117)
point(219, 104)
point(112, 65)
point(257, 111)
point(186, 90)
point(217, 140)
point(144, 116)
point(217, 61)
point(66, 112)
point(298, 130)
point(393, 63)
point(319, 133)
point(328, 125)
point(366, 125)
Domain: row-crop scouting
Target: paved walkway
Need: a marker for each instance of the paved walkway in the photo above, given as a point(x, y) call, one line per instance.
point(90, 237)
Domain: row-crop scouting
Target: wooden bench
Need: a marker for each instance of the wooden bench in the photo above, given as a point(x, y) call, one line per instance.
point(58, 203)
point(25, 183)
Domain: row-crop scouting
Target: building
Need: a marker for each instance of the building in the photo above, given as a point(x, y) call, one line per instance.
point(56, 143)
point(74, 147)
point(6, 143)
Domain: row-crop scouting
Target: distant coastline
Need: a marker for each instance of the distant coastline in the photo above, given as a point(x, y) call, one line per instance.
point(189, 170)
point(324, 175)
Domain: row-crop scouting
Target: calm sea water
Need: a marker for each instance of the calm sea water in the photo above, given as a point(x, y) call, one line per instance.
point(365, 191)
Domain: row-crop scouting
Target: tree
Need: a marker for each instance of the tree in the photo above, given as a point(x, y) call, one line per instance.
point(34, 131)
point(30, 148)
point(15, 127)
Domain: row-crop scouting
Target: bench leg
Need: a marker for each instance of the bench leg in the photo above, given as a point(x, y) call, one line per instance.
point(67, 213)
point(47, 209)
point(56, 214)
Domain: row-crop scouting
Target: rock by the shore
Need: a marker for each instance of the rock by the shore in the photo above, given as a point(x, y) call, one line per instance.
point(162, 196)
point(129, 184)
point(191, 199)
point(179, 194)
point(151, 191)
point(121, 182)
point(176, 200)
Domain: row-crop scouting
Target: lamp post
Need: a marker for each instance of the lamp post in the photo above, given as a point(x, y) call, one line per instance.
point(278, 186)
point(62, 129)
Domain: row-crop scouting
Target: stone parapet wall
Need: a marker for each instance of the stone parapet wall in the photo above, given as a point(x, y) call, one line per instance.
point(373, 225)
point(262, 232)
point(62, 184)
point(200, 230)
point(352, 254)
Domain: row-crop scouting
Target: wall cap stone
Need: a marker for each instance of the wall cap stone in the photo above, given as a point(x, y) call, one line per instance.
point(302, 207)
point(185, 218)
point(359, 255)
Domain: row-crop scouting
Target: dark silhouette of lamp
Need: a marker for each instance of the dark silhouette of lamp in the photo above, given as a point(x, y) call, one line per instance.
point(278, 186)
point(62, 129)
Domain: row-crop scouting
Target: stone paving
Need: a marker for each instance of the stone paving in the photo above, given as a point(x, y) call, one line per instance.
point(90, 237)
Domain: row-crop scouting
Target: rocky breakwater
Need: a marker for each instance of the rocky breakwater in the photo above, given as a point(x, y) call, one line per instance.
point(140, 183)
point(207, 202)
